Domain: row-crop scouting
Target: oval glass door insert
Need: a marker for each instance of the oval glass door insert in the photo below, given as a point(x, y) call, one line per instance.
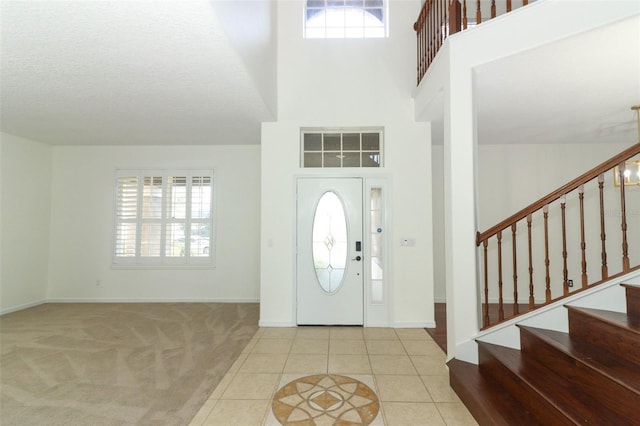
point(330, 242)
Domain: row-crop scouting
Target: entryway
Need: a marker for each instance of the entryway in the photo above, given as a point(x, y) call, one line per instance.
point(330, 258)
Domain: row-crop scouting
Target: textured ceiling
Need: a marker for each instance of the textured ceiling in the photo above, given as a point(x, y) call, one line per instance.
point(137, 72)
point(189, 72)
point(577, 90)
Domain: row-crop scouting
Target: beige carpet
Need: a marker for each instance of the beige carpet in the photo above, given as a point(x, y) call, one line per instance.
point(117, 364)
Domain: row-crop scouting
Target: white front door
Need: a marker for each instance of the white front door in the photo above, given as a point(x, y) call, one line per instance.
point(329, 252)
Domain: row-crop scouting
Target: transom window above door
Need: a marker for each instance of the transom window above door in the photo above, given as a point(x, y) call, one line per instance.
point(341, 148)
point(345, 19)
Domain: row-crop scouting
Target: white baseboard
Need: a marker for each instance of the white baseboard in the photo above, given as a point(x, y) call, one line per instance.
point(21, 307)
point(263, 323)
point(130, 300)
point(425, 324)
point(127, 300)
point(375, 324)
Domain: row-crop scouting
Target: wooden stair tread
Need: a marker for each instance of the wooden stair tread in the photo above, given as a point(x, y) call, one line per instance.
point(551, 388)
point(590, 375)
point(609, 365)
point(488, 402)
point(618, 319)
point(632, 287)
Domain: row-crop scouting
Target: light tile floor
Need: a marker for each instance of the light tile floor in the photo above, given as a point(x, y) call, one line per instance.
point(404, 367)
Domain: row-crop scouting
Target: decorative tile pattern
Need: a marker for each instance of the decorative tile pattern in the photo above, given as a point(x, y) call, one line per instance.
point(325, 399)
point(335, 376)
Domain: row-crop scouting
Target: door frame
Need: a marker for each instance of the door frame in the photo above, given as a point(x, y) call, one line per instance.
point(378, 315)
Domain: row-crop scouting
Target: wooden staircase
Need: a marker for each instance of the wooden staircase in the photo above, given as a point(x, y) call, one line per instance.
point(589, 376)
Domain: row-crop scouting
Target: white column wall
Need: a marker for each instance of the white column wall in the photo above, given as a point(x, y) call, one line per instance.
point(459, 207)
point(24, 225)
point(82, 221)
point(348, 83)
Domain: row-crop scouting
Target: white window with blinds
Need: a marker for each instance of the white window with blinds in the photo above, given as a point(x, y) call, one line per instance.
point(164, 217)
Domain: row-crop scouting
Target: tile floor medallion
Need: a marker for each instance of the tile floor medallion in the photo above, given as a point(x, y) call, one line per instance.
point(323, 399)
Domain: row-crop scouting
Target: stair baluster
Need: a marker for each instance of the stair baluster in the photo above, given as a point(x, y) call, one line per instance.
point(547, 279)
point(583, 244)
point(532, 299)
point(565, 271)
point(603, 235)
point(500, 300)
point(623, 216)
point(516, 310)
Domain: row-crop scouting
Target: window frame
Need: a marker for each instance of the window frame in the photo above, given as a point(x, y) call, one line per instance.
point(162, 260)
point(325, 7)
point(341, 151)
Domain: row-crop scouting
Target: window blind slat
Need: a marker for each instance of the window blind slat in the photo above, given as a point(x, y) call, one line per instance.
point(176, 197)
point(127, 197)
point(152, 197)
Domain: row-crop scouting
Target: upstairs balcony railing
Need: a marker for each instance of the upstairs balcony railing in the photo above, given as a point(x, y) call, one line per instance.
point(580, 235)
point(440, 18)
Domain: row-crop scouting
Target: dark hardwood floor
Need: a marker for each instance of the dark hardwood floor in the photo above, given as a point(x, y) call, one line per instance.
point(439, 334)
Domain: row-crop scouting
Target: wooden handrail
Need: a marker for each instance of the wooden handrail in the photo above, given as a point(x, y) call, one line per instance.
point(434, 24)
point(440, 18)
point(559, 282)
point(555, 195)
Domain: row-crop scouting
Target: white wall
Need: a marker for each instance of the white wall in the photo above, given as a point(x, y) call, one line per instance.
point(510, 177)
point(439, 260)
point(82, 226)
point(25, 214)
point(345, 83)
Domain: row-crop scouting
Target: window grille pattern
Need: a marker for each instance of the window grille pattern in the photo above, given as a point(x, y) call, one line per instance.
point(164, 217)
point(345, 19)
point(342, 148)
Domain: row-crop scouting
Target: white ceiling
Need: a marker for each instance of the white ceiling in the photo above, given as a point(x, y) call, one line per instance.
point(137, 72)
point(576, 90)
point(156, 72)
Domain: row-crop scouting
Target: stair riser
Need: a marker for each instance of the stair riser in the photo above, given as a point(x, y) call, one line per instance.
point(633, 301)
point(619, 341)
point(493, 369)
point(478, 412)
point(617, 402)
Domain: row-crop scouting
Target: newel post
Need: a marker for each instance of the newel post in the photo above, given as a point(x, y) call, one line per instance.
point(455, 17)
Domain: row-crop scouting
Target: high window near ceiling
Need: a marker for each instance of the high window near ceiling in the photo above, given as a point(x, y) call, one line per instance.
point(164, 217)
point(341, 148)
point(345, 19)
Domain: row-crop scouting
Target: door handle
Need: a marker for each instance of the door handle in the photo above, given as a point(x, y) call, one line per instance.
point(358, 258)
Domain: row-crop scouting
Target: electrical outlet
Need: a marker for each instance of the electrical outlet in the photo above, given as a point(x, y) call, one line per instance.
point(570, 283)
